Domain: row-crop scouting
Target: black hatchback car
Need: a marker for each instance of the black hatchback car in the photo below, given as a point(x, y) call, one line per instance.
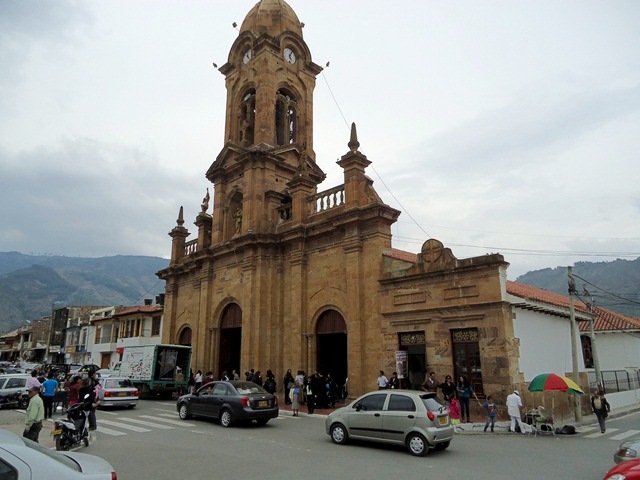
point(230, 402)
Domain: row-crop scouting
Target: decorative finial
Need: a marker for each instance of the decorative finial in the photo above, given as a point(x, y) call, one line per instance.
point(353, 142)
point(205, 202)
point(180, 220)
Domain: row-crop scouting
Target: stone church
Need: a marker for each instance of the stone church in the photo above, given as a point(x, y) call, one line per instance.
point(282, 276)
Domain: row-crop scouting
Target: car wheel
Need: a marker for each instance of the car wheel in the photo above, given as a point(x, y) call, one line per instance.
point(225, 418)
point(339, 434)
point(131, 406)
point(417, 445)
point(262, 421)
point(442, 446)
point(184, 412)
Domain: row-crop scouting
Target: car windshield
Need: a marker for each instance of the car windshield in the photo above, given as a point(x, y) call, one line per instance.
point(52, 454)
point(117, 383)
point(432, 403)
point(249, 387)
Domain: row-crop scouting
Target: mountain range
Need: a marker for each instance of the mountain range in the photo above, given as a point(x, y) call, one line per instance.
point(32, 285)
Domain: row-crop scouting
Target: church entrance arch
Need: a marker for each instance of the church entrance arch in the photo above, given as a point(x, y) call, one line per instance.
point(185, 336)
point(331, 347)
point(230, 339)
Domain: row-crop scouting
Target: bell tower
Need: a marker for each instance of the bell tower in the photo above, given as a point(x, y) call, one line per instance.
point(270, 79)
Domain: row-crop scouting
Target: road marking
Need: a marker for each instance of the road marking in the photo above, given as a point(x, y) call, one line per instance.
point(108, 413)
point(623, 435)
point(108, 431)
point(585, 429)
point(150, 424)
point(598, 434)
point(169, 415)
point(171, 422)
point(125, 426)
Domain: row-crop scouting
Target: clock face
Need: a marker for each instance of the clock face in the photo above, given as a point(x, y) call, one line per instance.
point(289, 55)
point(247, 56)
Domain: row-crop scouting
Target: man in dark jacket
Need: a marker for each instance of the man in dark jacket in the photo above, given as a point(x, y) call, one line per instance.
point(600, 407)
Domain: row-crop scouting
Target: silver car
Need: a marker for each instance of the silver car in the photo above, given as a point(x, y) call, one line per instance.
point(417, 420)
point(21, 458)
point(117, 392)
point(627, 450)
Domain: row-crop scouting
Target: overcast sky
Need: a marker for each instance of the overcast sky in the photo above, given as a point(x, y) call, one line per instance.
point(510, 127)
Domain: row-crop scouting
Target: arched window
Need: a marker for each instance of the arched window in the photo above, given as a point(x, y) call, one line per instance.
point(247, 118)
point(286, 117)
point(185, 337)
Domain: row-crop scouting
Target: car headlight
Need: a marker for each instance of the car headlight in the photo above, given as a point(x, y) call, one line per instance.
point(616, 476)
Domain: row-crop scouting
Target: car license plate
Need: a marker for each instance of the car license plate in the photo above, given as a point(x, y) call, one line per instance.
point(56, 432)
point(443, 420)
point(122, 394)
point(263, 403)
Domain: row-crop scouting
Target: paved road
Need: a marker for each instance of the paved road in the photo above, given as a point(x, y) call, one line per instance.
point(152, 442)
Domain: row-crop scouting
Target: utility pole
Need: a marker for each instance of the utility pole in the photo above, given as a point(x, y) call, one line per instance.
point(594, 350)
point(574, 343)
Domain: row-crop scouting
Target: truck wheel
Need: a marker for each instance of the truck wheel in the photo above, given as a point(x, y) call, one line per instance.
point(225, 418)
point(184, 412)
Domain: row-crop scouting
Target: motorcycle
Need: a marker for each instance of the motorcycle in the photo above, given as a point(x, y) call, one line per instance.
point(16, 399)
point(73, 431)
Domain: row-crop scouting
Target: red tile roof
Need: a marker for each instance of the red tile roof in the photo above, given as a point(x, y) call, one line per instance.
point(604, 319)
point(139, 309)
point(401, 255)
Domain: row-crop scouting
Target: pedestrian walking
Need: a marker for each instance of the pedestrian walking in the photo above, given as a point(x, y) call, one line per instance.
point(514, 403)
point(464, 390)
point(198, 379)
point(34, 416)
point(382, 381)
point(491, 410)
point(454, 411)
point(600, 407)
point(49, 388)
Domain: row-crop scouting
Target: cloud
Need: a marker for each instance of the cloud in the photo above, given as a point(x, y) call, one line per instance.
point(82, 197)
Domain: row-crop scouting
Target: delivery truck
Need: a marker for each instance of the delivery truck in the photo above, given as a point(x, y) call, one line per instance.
point(156, 369)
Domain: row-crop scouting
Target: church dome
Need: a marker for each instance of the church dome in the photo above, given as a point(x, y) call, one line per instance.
point(272, 17)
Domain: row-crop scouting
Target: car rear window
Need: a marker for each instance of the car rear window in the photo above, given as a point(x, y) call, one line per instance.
point(118, 383)
point(249, 387)
point(432, 403)
point(401, 403)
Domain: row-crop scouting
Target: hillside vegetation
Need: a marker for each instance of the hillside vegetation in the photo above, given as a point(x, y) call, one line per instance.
point(30, 284)
point(612, 285)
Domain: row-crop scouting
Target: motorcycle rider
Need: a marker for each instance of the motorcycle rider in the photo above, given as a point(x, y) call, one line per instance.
point(35, 415)
point(87, 388)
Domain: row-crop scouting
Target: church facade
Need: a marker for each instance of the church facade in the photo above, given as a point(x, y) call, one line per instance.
point(280, 275)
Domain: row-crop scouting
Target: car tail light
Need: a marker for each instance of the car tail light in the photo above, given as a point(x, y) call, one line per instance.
point(136, 393)
point(114, 476)
point(244, 401)
point(107, 394)
point(430, 415)
point(275, 401)
point(627, 452)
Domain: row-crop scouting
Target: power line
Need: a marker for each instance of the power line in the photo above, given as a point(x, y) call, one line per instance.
point(607, 292)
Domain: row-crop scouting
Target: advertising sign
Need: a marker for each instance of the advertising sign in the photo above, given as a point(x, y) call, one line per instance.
point(402, 363)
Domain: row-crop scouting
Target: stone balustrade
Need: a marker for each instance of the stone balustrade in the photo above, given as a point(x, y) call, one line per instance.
point(323, 201)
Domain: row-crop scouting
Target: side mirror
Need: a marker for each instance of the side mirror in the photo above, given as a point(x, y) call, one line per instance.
point(358, 407)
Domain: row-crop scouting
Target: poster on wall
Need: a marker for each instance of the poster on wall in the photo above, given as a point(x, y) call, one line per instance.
point(401, 363)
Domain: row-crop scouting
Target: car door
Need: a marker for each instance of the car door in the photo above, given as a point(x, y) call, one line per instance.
point(365, 417)
point(201, 399)
point(399, 416)
point(218, 398)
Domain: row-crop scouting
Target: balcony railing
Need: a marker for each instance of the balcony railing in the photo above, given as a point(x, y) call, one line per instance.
point(323, 201)
point(191, 247)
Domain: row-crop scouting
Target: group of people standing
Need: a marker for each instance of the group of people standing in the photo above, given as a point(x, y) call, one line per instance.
point(316, 390)
point(42, 388)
